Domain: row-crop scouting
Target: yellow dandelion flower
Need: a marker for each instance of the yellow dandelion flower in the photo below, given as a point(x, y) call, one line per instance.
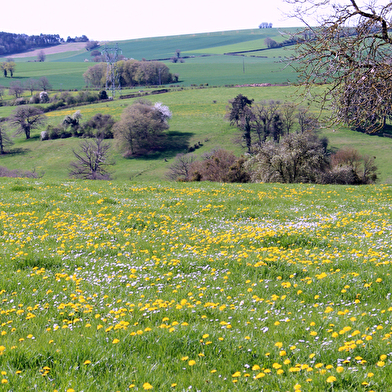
point(191, 362)
point(147, 386)
point(331, 379)
point(236, 374)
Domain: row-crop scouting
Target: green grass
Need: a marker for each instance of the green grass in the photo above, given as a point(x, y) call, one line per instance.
point(110, 286)
point(65, 70)
point(198, 116)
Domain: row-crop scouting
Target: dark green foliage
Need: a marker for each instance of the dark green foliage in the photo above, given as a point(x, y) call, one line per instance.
point(238, 108)
point(102, 124)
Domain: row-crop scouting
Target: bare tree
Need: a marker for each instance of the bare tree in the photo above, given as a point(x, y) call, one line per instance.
point(307, 121)
point(349, 51)
point(31, 85)
point(25, 118)
point(180, 169)
point(41, 56)
point(92, 161)
point(44, 83)
point(2, 89)
point(16, 88)
point(266, 113)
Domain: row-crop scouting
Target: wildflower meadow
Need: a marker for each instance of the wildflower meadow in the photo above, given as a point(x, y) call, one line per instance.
point(194, 287)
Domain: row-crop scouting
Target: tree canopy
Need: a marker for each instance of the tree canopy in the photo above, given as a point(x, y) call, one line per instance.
point(349, 51)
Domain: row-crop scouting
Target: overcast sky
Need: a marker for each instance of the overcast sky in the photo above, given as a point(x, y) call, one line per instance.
point(128, 19)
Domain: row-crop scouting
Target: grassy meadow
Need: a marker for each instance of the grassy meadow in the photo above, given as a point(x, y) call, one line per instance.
point(211, 287)
point(198, 116)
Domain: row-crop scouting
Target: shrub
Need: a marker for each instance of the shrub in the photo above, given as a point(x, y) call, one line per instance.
point(4, 172)
point(348, 166)
point(218, 165)
point(298, 157)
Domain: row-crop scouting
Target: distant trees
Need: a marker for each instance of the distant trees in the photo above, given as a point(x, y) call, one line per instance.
point(16, 88)
point(141, 128)
point(267, 120)
point(41, 56)
point(131, 73)
point(83, 38)
point(8, 67)
point(44, 83)
point(25, 118)
point(92, 160)
point(271, 43)
point(15, 43)
point(31, 85)
point(90, 45)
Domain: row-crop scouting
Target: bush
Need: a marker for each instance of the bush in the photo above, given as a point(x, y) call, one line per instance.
point(218, 165)
point(348, 166)
point(102, 124)
point(4, 172)
point(298, 157)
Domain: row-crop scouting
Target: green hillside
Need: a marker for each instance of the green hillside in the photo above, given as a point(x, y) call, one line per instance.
point(198, 116)
point(205, 60)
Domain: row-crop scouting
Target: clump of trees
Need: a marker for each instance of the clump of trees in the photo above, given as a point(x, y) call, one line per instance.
point(8, 67)
point(267, 120)
point(303, 158)
point(131, 73)
point(141, 127)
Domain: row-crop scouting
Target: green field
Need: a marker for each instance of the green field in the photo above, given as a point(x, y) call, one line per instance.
point(65, 70)
point(136, 286)
point(198, 116)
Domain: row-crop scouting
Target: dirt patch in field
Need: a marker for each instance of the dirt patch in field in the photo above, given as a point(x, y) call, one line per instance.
point(68, 47)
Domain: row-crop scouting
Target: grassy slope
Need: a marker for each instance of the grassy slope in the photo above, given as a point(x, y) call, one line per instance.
point(196, 118)
point(65, 70)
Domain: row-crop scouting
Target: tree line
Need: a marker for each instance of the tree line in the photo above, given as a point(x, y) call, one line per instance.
point(16, 43)
point(131, 73)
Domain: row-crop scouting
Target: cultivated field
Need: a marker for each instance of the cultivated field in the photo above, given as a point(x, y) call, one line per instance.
point(119, 286)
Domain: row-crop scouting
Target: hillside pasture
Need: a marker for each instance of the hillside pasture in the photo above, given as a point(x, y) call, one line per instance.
point(138, 286)
point(198, 117)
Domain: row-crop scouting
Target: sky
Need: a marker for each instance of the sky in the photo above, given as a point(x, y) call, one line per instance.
point(129, 19)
